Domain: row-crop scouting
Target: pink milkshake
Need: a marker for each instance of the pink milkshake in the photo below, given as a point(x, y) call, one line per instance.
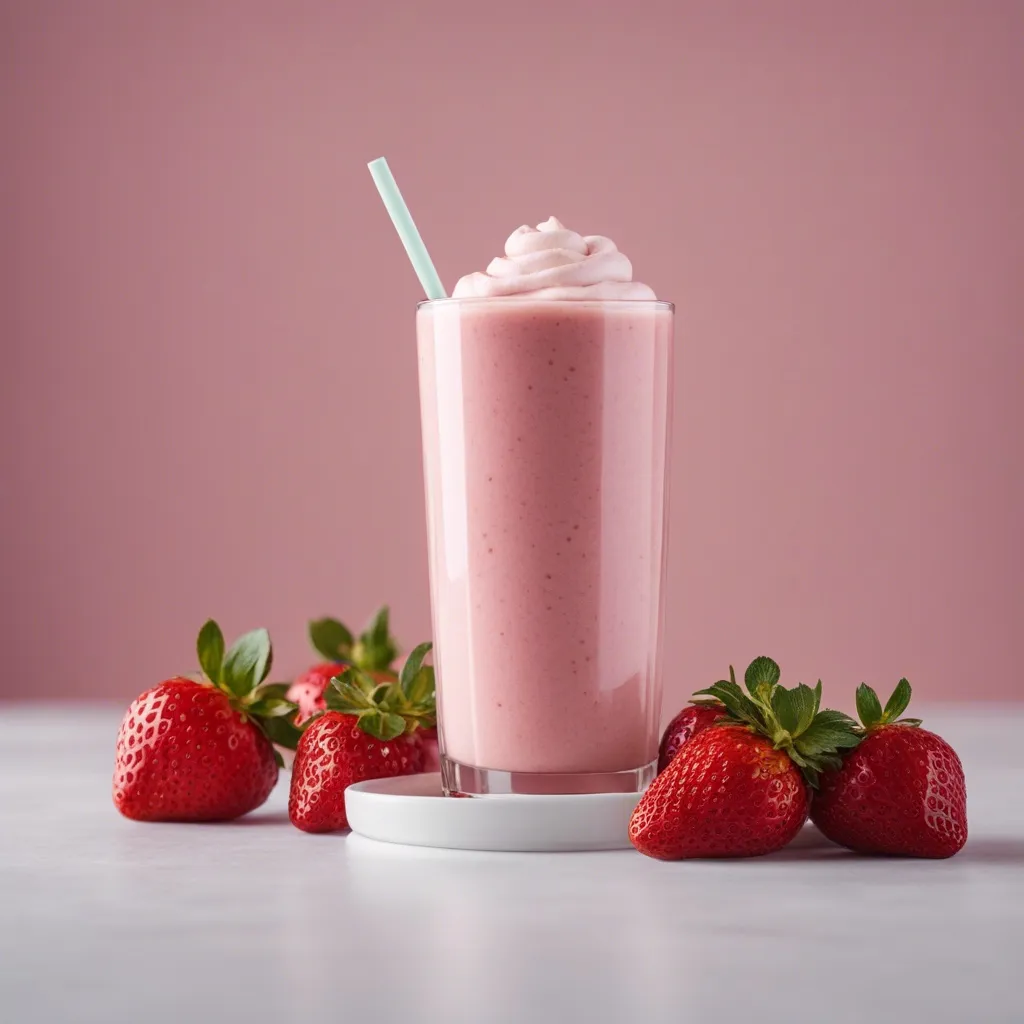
point(545, 390)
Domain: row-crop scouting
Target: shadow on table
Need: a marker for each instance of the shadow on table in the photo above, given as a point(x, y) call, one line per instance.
point(256, 819)
point(994, 850)
point(811, 846)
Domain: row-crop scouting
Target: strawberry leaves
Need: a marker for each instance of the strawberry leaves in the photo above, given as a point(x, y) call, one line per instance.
point(819, 745)
point(794, 710)
point(246, 663)
point(417, 679)
point(790, 718)
point(240, 672)
point(804, 703)
point(331, 639)
point(242, 667)
point(869, 707)
point(387, 710)
point(354, 693)
point(376, 649)
point(761, 676)
point(270, 707)
point(373, 651)
point(814, 738)
point(736, 702)
point(728, 693)
point(898, 702)
point(210, 648)
point(281, 729)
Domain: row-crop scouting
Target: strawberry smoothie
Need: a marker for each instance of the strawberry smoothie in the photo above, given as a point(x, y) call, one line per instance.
point(545, 393)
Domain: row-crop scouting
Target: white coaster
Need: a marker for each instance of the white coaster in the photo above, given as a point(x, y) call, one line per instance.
point(412, 810)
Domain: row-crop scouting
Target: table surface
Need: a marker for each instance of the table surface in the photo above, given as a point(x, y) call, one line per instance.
point(112, 921)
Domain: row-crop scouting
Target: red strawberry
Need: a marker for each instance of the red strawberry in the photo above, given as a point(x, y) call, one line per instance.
point(372, 653)
point(901, 791)
point(736, 789)
point(431, 755)
point(307, 692)
point(369, 731)
point(730, 794)
point(333, 753)
point(199, 751)
point(694, 718)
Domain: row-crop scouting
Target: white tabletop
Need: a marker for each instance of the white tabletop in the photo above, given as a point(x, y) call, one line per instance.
point(107, 920)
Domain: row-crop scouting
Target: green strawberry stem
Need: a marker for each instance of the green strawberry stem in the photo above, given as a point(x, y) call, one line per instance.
point(331, 639)
point(386, 710)
point(791, 718)
point(374, 650)
point(240, 672)
point(870, 710)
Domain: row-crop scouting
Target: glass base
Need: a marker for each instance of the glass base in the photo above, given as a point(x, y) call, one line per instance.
point(466, 780)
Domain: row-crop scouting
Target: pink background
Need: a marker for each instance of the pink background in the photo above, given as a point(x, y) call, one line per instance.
point(208, 393)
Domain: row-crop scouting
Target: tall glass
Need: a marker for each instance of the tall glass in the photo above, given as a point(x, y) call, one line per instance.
point(545, 435)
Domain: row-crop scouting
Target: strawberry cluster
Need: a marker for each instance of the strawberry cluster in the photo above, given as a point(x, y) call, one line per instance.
point(740, 772)
point(206, 748)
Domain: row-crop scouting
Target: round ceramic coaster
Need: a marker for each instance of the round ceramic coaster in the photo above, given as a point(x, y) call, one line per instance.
point(412, 810)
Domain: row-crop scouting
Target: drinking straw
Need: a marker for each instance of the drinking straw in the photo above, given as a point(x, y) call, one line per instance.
point(406, 228)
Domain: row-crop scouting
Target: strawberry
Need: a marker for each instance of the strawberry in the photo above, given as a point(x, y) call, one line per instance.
point(333, 753)
point(431, 754)
point(739, 787)
point(202, 751)
point(694, 718)
point(901, 791)
point(373, 653)
point(307, 692)
point(369, 730)
point(731, 794)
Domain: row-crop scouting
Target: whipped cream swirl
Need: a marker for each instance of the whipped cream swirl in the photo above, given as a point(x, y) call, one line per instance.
point(552, 262)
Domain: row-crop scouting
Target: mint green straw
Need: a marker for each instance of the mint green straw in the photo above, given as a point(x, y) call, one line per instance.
point(406, 228)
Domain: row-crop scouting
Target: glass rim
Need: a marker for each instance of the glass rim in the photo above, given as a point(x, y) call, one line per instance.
point(491, 300)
